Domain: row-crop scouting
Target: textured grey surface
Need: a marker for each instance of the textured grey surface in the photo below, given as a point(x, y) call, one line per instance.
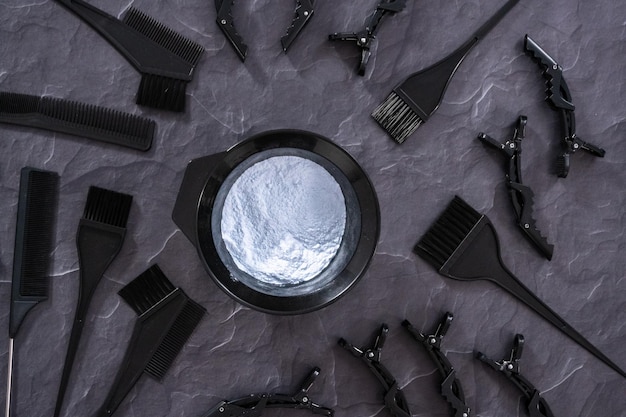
point(45, 50)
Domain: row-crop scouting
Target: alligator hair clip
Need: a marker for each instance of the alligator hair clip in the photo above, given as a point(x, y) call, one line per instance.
point(394, 397)
point(365, 37)
point(537, 406)
point(521, 195)
point(451, 388)
point(225, 21)
point(560, 99)
point(254, 405)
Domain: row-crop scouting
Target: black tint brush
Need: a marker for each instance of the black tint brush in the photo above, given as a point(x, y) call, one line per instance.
point(167, 318)
point(165, 59)
point(413, 101)
point(463, 244)
point(99, 239)
point(34, 240)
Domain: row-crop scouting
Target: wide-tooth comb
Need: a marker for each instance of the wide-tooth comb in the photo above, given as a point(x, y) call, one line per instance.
point(78, 119)
point(165, 59)
point(99, 239)
point(463, 244)
point(34, 241)
point(167, 318)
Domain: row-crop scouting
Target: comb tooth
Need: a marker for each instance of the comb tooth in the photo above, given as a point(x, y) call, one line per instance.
point(18, 103)
point(145, 291)
point(106, 206)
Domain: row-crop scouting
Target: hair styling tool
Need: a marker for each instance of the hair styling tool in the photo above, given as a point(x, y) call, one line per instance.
point(395, 400)
point(537, 406)
point(451, 387)
point(414, 100)
point(364, 38)
point(34, 241)
point(521, 195)
point(255, 404)
point(167, 318)
point(78, 119)
point(304, 12)
point(99, 239)
point(463, 245)
point(226, 23)
point(165, 59)
point(560, 99)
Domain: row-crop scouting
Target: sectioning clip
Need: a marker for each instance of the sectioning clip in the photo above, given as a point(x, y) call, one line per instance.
point(560, 99)
point(451, 388)
point(394, 397)
point(226, 22)
point(537, 406)
point(365, 37)
point(521, 195)
point(304, 11)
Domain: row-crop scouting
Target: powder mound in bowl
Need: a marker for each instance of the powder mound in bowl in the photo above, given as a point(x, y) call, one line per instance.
point(283, 220)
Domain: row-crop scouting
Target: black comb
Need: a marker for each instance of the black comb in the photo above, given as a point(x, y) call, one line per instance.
point(78, 119)
point(167, 318)
point(34, 241)
point(165, 59)
point(463, 244)
point(413, 101)
point(100, 235)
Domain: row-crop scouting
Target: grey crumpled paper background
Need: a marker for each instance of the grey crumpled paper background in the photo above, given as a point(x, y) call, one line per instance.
point(46, 50)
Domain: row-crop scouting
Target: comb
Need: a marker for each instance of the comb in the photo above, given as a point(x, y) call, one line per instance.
point(34, 241)
point(463, 244)
point(99, 239)
point(167, 318)
point(78, 119)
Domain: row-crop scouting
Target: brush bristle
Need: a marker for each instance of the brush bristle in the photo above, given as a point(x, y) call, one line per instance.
point(447, 233)
point(397, 118)
point(176, 337)
point(147, 290)
point(12, 103)
point(562, 165)
point(162, 92)
point(159, 33)
point(108, 207)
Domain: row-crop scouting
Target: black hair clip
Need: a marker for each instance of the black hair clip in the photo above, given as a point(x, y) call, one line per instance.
point(304, 11)
point(365, 37)
point(537, 406)
point(521, 195)
point(394, 397)
point(451, 388)
point(560, 99)
point(254, 405)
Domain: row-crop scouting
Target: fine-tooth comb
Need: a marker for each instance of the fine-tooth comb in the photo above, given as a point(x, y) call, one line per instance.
point(463, 244)
point(255, 404)
point(167, 318)
point(536, 405)
point(304, 12)
point(413, 101)
point(560, 99)
point(521, 195)
point(34, 241)
point(165, 59)
point(78, 119)
point(99, 239)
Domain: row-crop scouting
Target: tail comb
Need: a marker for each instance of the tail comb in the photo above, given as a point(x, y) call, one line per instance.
point(78, 119)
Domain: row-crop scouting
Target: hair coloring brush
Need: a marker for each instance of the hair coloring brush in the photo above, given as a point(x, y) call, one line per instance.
point(413, 101)
point(99, 239)
point(167, 318)
point(165, 58)
point(77, 119)
point(34, 238)
point(463, 244)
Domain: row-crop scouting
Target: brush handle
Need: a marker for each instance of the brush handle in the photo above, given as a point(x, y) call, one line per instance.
point(494, 20)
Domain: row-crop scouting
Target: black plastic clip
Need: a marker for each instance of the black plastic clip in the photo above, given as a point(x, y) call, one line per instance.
point(451, 388)
point(537, 406)
point(521, 195)
point(226, 22)
point(254, 405)
point(560, 99)
point(395, 400)
point(304, 11)
point(365, 37)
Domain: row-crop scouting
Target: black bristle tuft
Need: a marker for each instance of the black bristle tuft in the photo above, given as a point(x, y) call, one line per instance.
point(562, 165)
point(177, 336)
point(13, 103)
point(397, 118)
point(447, 233)
point(147, 290)
point(108, 207)
point(162, 92)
